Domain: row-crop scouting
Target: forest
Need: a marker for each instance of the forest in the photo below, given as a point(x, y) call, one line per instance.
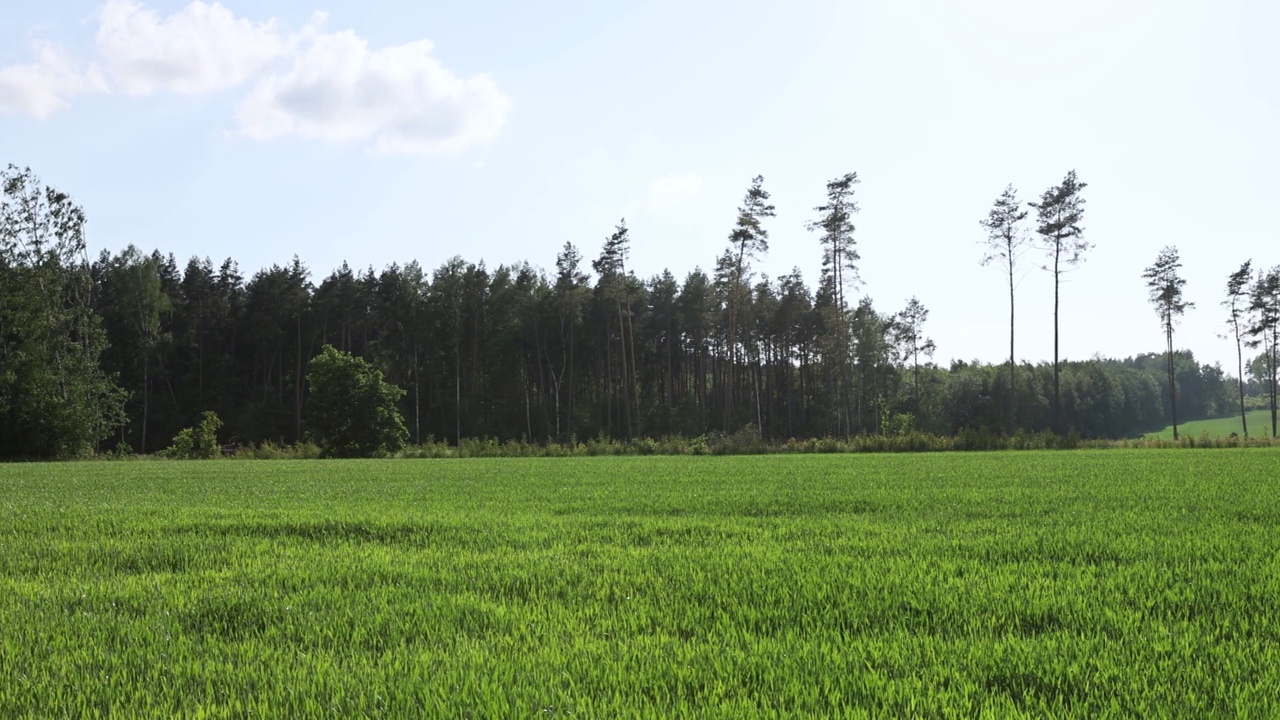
point(122, 351)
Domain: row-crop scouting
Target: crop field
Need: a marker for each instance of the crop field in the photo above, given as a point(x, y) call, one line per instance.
point(1113, 583)
point(1259, 426)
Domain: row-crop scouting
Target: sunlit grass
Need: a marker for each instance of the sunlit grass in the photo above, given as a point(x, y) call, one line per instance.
point(1083, 584)
point(1259, 426)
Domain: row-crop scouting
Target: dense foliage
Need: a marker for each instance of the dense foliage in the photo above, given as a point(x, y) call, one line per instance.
point(352, 411)
point(515, 353)
point(1083, 585)
point(511, 353)
point(56, 400)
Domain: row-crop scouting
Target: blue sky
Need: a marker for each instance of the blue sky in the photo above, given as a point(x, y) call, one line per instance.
point(385, 132)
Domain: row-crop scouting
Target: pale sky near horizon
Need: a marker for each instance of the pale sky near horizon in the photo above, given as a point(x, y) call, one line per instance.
point(498, 130)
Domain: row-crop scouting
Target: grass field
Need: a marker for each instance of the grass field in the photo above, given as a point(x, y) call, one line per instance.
point(1039, 584)
point(1259, 426)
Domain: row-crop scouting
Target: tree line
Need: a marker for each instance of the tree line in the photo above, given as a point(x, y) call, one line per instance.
point(125, 350)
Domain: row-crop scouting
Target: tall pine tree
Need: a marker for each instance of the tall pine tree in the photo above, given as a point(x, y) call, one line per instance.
point(1059, 213)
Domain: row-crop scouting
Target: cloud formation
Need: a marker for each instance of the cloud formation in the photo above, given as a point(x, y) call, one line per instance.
point(47, 84)
point(400, 97)
point(311, 83)
point(673, 191)
point(199, 49)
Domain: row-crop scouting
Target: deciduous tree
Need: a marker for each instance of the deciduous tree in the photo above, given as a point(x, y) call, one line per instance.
point(351, 411)
point(55, 400)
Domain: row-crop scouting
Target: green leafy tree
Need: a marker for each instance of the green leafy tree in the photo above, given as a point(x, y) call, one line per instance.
point(134, 306)
point(351, 411)
point(1059, 212)
point(1006, 242)
point(55, 400)
point(1237, 293)
point(399, 324)
point(1165, 292)
point(198, 443)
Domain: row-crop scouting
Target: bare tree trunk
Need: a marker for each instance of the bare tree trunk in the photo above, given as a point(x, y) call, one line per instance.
point(755, 379)
point(528, 419)
point(1057, 397)
point(635, 369)
point(730, 351)
point(1013, 366)
point(297, 387)
point(200, 354)
point(1244, 421)
point(608, 380)
point(625, 386)
point(417, 400)
point(457, 395)
point(671, 379)
point(558, 381)
point(146, 385)
point(1173, 383)
point(1274, 349)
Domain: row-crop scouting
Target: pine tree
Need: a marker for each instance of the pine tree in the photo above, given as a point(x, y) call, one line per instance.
point(908, 334)
point(1006, 242)
point(1165, 292)
point(839, 273)
point(1059, 212)
point(1237, 292)
point(1264, 330)
point(611, 266)
point(748, 241)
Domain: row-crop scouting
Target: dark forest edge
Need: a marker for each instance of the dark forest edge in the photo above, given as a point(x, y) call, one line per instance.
point(743, 442)
point(121, 354)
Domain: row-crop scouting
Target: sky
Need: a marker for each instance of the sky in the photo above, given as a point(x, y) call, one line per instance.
point(373, 133)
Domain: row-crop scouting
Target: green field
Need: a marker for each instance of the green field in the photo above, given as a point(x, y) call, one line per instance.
point(1116, 583)
point(1259, 426)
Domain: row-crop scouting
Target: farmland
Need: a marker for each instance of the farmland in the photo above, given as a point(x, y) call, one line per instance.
point(1259, 426)
point(1068, 584)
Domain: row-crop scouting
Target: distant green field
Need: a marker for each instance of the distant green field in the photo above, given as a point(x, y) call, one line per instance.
point(1259, 426)
point(1037, 584)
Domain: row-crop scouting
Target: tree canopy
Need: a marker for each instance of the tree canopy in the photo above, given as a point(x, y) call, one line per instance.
point(352, 410)
point(55, 398)
point(127, 351)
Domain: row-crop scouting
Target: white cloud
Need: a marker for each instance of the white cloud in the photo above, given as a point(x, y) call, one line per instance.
point(673, 191)
point(400, 98)
point(199, 49)
point(45, 86)
point(311, 84)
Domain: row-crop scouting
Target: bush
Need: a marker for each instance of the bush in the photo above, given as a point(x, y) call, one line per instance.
point(270, 451)
point(198, 443)
point(746, 441)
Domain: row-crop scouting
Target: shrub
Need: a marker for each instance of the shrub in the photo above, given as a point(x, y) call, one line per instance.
point(198, 443)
